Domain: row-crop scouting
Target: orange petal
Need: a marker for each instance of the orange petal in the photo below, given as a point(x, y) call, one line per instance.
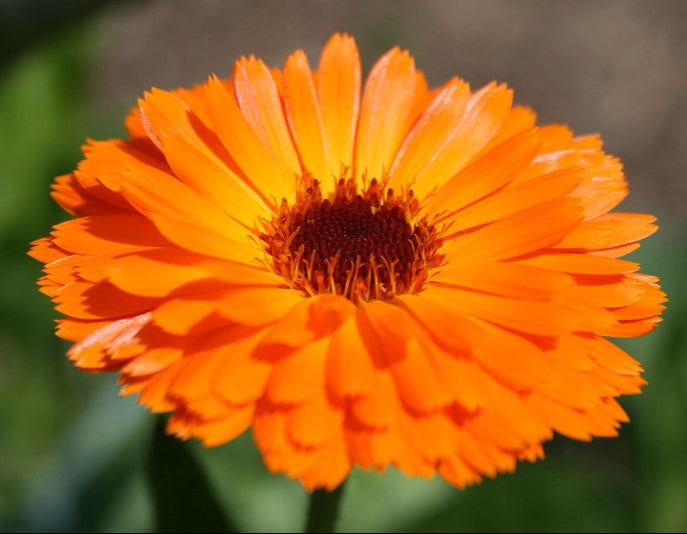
point(247, 148)
point(604, 188)
point(381, 407)
point(338, 92)
point(298, 377)
point(75, 199)
point(99, 161)
point(241, 378)
point(314, 317)
point(153, 273)
point(475, 339)
point(76, 330)
point(616, 252)
point(385, 329)
point(611, 230)
point(380, 448)
point(513, 280)
point(439, 319)
point(462, 378)
point(259, 101)
point(573, 423)
point(349, 368)
point(634, 328)
point(488, 426)
point(518, 120)
point(504, 404)
point(649, 305)
point(524, 232)
point(154, 393)
point(547, 163)
point(303, 113)
point(314, 422)
point(607, 291)
point(556, 137)
point(116, 233)
point(258, 306)
point(486, 174)
point(483, 117)
point(153, 361)
point(84, 300)
point(422, 97)
point(456, 472)
point(291, 330)
point(431, 133)
point(197, 371)
point(134, 124)
point(591, 316)
point(179, 316)
point(533, 317)
point(517, 198)
point(330, 468)
point(279, 452)
point(195, 224)
point(220, 431)
point(433, 436)
point(166, 119)
point(110, 334)
point(45, 251)
point(581, 264)
point(418, 381)
point(610, 355)
point(386, 104)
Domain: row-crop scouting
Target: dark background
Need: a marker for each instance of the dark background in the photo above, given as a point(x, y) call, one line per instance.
point(71, 451)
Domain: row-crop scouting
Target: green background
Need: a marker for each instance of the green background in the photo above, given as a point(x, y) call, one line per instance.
point(73, 454)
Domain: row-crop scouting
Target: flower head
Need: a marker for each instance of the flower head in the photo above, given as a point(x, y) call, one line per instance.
point(371, 276)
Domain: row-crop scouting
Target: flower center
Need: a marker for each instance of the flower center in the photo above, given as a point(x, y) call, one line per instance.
point(362, 245)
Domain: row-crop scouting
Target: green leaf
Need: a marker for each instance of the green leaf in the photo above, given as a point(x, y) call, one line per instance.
point(182, 497)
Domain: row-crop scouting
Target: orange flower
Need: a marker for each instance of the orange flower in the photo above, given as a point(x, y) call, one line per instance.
point(395, 275)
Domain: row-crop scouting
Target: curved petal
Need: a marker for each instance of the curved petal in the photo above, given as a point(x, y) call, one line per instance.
point(338, 93)
point(167, 122)
point(430, 135)
point(248, 149)
point(485, 175)
point(527, 231)
point(303, 113)
point(258, 98)
point(387, 102)
point(485, 113)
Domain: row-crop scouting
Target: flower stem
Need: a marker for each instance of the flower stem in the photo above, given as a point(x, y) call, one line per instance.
point(183, 497)
point(323, 510)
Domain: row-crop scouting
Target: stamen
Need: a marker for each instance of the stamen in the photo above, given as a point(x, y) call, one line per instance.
point(362, 245)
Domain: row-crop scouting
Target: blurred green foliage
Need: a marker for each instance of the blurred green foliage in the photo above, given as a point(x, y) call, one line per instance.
point(72, 453)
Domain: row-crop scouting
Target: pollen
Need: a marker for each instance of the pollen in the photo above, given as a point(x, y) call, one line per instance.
point(363, 244)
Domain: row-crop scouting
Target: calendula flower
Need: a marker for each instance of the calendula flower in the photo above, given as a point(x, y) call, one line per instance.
point(387, 275)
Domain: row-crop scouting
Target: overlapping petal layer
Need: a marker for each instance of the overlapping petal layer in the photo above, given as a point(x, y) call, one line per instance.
point(161, 274)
